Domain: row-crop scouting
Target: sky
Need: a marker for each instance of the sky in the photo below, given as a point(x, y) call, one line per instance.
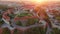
point(28, 0)
point(36, 1)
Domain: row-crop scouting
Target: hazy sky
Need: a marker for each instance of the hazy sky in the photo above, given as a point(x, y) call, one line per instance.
point(31, 0)
point(27, 0)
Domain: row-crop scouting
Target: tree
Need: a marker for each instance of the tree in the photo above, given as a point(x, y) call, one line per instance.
point(16, 31)
point(6, 31)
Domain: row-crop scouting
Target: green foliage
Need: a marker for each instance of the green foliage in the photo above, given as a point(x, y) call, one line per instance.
point(32, 21)
point(16, 31)
point(11, 16)
point(0, 16)
point(6, 31)
point(24, 14)
point(55, 31)
point(18, 23)
point(42, 30)
point(1, 22)
point(35, 30)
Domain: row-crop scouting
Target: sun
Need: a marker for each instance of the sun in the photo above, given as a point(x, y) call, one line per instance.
point(38, 1)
